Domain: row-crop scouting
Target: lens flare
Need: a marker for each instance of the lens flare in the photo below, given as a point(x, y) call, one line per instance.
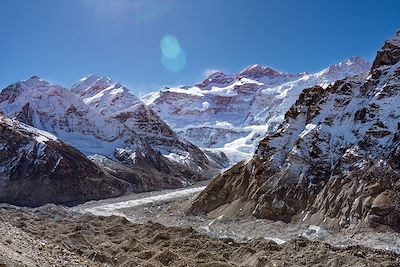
point(173, 57)
point(174, 64)
point(170, 46)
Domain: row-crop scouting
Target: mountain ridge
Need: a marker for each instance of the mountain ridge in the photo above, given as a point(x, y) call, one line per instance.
point(231, 113)
point(36, 168)
point(333, 162)
point(113, 127)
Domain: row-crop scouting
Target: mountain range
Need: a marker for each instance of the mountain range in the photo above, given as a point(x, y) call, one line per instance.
point(230, 114)
point(334, 161)
point(307, 130)
point(111, 127)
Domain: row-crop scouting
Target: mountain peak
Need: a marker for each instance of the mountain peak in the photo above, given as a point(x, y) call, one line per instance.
point(395, 40)
point(216, 74)
point(92, 81)
point(257, 71)
point(35, 79)
point(350, 67)
point(32, 82)
point(257, 67)
point(389, 54)
point(355, 60)
point(218, 78)
point(100, 80)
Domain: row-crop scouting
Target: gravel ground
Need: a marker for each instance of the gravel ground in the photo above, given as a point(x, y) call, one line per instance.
point(54, 236)
point(169, 211)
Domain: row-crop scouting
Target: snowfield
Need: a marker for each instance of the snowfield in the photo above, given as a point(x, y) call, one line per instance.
point(112, 209)
point(232, 113)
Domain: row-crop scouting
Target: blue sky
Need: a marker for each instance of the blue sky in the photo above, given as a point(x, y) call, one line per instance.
point(147, 44)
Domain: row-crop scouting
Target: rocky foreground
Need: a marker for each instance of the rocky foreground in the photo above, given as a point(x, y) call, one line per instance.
point(53, 236)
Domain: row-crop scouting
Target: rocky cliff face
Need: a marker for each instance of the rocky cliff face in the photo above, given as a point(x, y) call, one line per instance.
point(231, 114)
point(106, 122)
point(37, 168)
point(334, 161)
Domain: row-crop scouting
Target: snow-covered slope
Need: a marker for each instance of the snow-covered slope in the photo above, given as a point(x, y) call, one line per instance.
point(55, 109)
point(37, 168)
point(335, 160)
point(106, 96)
point(103, 119)
point(116, 103)
point(232, 113)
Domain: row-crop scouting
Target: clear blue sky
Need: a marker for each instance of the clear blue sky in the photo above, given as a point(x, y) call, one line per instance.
point(64, 40)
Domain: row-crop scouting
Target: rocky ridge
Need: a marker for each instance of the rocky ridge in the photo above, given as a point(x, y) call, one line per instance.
point(333, 162)
point(37, 168)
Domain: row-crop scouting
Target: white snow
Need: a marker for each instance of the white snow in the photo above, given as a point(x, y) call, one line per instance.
point(97, 116)
point(112, 209)
point(40, 136)
point(276, 240)
point(234, 112)
point(182, 158)
point(309, 128)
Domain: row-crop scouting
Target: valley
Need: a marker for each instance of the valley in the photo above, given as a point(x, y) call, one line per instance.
point(150, 229)
point(246, 167)
point(168, 207)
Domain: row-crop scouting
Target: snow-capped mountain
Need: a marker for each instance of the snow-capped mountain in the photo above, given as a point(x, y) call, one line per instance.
point(232, 113)
point(106, 96)
point(107, 122)
point(117, 103)
point(37, 168)
point(334, 161)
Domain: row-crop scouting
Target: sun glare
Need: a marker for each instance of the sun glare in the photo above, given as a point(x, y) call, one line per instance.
point(173, 57)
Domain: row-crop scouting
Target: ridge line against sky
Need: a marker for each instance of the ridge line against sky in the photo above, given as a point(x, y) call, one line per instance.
point(147, 45)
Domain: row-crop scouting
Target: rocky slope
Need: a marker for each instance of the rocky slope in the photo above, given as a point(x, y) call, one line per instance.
point(109, 124)
point(37, 168)
point(334, 161)
point(51, 236)
point(231, 113)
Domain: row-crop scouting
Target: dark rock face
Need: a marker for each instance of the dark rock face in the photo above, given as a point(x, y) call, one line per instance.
point(217, 78)
point(26, 115)
point(258, 71)
point(36, 168)
point(149, 127)
point(334, 161)
point(389, 54)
